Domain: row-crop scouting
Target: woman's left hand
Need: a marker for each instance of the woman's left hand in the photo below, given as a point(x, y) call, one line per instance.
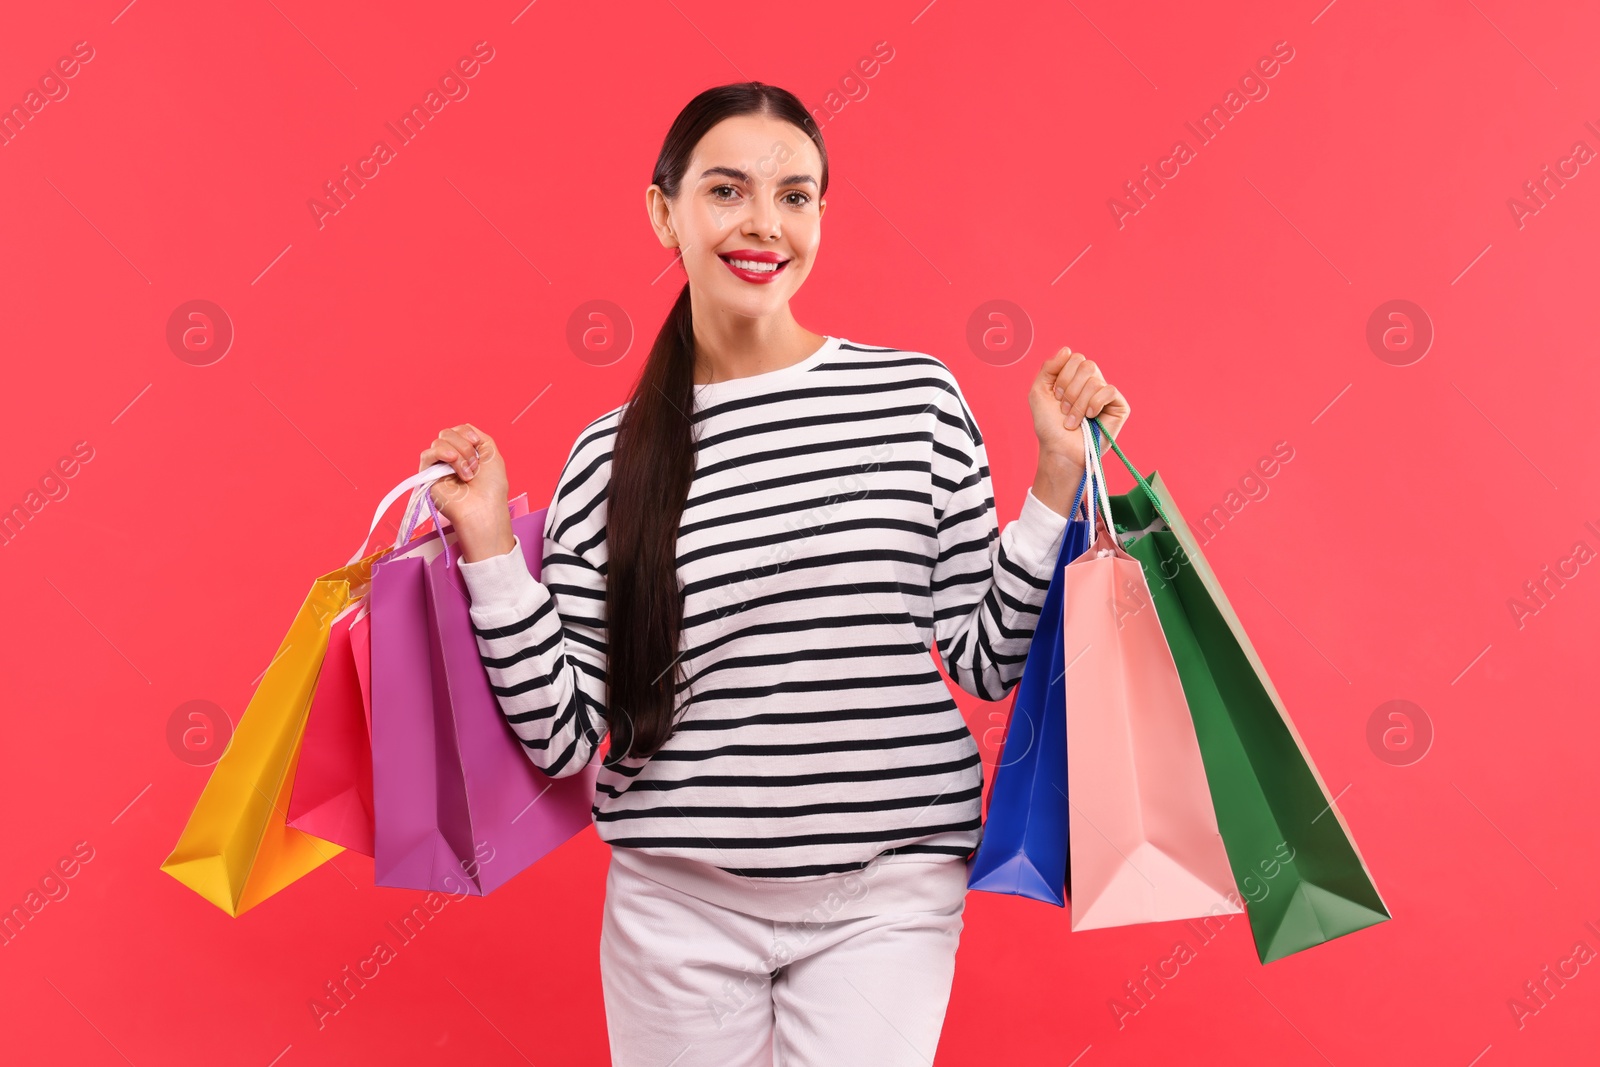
point(1068, 390)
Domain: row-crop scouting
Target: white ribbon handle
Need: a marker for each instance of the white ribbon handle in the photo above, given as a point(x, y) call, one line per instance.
point(1096, 475)
point(418, 484)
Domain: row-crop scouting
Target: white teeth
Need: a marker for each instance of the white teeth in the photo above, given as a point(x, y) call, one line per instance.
point(753, 265)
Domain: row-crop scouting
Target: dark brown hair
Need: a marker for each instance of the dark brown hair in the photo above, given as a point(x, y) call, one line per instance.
point(653, 460)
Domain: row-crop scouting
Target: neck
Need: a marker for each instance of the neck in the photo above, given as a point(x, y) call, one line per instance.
point(734, 346)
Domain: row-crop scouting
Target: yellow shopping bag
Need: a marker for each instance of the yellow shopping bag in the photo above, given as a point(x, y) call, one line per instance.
point(238, 849)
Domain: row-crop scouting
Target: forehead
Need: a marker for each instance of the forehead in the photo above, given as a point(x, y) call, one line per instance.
point(762, 146)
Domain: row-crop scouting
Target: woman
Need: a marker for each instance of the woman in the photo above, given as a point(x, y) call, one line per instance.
point(745, 567)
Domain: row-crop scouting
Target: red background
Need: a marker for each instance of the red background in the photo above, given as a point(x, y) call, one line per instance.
point(975, 165)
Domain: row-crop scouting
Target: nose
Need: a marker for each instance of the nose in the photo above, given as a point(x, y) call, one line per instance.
point(762, 221)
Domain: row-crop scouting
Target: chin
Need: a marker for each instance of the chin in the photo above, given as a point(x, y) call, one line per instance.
point(755, 305)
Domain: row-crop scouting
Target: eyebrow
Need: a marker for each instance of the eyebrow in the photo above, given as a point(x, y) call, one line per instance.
point(735, 172)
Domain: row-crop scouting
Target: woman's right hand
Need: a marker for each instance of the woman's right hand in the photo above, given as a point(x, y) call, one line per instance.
point(474, 498)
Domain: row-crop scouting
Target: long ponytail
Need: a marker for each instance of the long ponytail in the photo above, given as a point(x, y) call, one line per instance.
point(653, 463)
point(652, 466)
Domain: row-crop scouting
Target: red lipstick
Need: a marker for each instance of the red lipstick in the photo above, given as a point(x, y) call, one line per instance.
point(758, 276)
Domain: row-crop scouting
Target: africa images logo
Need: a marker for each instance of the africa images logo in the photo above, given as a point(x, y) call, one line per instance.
point(1253, 87)
point(452, 87)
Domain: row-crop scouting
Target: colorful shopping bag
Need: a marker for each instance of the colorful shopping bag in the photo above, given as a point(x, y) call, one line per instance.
point(237, 848)
point(1145, 846)
point(459, 805)
point(1022, 850)
point(1293, 856)
point(361, 652)
point(332, 797)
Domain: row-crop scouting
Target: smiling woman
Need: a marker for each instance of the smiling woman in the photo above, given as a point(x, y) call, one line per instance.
point(745, 569)
point(747, 234)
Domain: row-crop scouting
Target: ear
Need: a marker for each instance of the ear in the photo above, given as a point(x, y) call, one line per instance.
point(655, 206)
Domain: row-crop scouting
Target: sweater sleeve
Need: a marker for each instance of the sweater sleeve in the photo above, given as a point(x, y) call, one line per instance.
point(543, 645)
point(988, 585)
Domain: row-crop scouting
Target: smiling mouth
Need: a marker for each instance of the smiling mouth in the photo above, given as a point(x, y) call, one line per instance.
point(754, 270)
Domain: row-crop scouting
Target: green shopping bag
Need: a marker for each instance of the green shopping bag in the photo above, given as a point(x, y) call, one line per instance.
point(1291, 852)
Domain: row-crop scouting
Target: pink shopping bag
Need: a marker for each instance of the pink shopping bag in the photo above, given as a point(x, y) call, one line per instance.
point(459, 807)
point(361, 651)
point(1145, 845)
point(332, 796)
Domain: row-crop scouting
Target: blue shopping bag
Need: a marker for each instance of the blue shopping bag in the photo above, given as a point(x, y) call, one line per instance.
point(1023, 848)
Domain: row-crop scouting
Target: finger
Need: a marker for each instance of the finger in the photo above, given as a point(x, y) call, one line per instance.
point(441, 452)
point(1078, 409)
point(1065, 373)
point(1053, 365)
point(466, 461)
point(458, 440)
point(1116, 407)
point(452, 452)
point(436, 453)
point(1079, 389)
point(1098, 400)
point(1082, 374)
point(485, 443)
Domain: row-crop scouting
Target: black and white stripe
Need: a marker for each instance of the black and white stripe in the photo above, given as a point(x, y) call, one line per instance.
point(841, 521)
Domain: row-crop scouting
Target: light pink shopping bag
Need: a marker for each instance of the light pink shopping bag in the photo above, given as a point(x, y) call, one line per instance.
point(1145, 846)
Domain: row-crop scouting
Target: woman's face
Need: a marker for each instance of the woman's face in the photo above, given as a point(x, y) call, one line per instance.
point(751, 189)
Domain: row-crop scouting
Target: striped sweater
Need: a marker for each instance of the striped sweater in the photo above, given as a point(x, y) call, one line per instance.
point(840, 525)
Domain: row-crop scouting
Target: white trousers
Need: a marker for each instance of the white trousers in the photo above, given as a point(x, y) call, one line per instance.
point(691, 984)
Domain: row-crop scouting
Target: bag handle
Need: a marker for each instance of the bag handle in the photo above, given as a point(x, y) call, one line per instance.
point(1135, 472)
point(419, 484)
point(1095, 480)
point(1078, 499)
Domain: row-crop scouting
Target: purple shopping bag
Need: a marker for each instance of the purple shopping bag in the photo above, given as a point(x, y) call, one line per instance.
point(458, 805)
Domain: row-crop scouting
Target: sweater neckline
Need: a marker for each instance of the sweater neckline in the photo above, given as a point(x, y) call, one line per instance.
point(752, 384)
